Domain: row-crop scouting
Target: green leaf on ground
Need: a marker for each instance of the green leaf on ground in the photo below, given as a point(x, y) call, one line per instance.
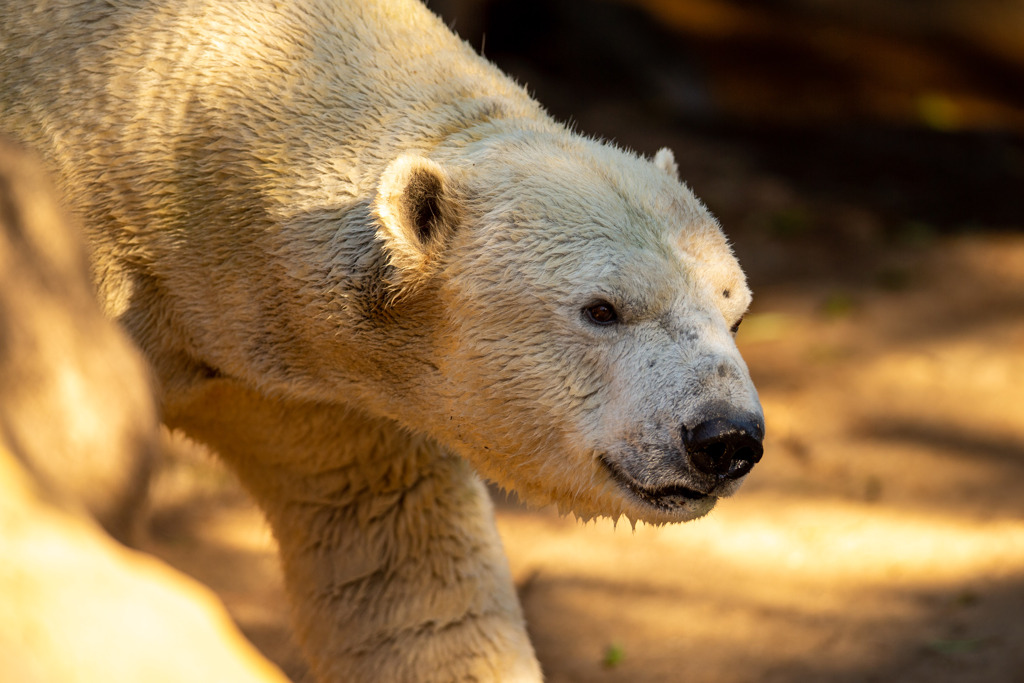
point(613, 655)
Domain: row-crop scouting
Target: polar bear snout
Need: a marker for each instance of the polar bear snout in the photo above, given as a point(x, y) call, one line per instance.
point(680, 472)
point(724, 447)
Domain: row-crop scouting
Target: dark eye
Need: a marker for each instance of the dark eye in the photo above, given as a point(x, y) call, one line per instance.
point(601, 313)
point(735, 328)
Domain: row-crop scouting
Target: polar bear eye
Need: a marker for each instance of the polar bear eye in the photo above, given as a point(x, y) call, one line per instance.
point(601, 313)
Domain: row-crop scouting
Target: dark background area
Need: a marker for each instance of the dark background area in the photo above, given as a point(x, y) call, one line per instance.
point(789, 116)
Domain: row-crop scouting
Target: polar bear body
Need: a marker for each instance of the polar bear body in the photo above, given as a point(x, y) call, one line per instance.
point(358, 258)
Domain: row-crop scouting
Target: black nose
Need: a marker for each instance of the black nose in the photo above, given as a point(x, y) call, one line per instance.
point(724, 447)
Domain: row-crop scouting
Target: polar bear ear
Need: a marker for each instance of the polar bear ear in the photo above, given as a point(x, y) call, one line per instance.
point(417, 212)
point(666, 161)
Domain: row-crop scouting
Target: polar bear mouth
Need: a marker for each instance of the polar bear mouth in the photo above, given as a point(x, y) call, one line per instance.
point(666, 497)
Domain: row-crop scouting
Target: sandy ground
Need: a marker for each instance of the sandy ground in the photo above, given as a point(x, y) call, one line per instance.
point(881, 538)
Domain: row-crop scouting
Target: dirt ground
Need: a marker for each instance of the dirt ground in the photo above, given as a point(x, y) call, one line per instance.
point(882, 536)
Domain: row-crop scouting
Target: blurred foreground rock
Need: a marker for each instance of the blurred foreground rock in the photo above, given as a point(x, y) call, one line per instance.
point(78, 430)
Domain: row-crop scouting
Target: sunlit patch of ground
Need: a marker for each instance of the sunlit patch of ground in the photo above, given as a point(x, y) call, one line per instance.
point(769, 584)
point(881, 539)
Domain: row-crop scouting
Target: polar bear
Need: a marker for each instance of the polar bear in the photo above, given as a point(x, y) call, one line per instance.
point(368, 269)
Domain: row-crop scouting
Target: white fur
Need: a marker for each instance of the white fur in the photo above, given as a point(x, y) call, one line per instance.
point(666, 161)
point(238, 167)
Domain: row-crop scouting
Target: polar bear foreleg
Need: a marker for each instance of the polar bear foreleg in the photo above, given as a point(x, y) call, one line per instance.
point(394, 566)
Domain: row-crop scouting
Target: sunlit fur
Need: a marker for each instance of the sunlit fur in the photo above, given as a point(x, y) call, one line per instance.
point(529, 377)
point(230, 161)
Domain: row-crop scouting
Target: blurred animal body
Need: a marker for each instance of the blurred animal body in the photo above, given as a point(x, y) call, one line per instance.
point(366, 268)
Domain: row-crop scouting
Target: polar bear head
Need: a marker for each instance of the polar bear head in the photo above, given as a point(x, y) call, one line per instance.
point(585, 346)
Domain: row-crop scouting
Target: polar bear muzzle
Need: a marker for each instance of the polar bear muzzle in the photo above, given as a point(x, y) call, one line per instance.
point(703, 461)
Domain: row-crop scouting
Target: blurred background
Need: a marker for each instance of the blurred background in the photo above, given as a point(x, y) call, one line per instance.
point(866, 158)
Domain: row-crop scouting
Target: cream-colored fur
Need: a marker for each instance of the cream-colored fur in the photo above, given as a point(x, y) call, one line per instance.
point(358, 258)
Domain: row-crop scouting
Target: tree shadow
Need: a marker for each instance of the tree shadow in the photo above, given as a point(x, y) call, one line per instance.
point(946, 440)
point(934, 634)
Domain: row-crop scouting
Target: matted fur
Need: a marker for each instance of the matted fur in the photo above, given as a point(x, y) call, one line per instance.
point(241, 170)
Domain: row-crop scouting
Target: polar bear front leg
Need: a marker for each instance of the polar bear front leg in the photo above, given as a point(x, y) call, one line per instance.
point(391, 557)
point(405, 585)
